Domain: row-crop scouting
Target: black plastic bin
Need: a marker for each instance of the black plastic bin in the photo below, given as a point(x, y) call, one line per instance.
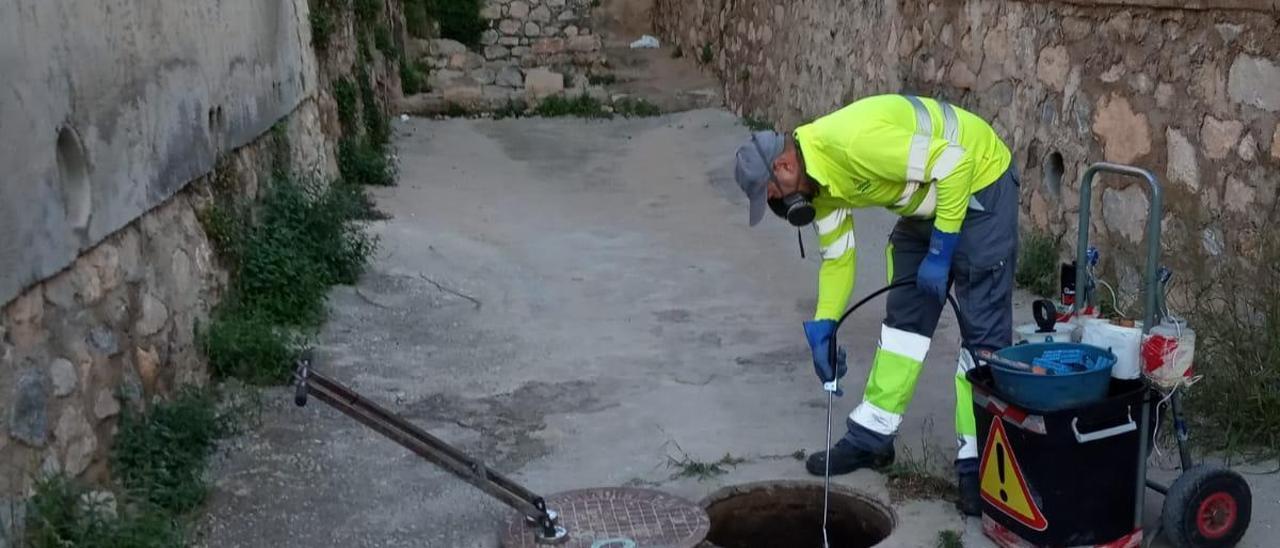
point(1061, 478)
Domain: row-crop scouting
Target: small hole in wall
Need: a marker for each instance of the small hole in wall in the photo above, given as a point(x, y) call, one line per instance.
point(1053, 170)
point(73, 173)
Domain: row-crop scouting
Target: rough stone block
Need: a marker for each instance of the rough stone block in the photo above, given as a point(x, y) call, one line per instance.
point(445, 47)
point(106, 405)
point(483, 76)
point(25, 318)
point(417, 47)
point(1253, 81)
point(148, 363)
point(1220, 136)
point(496, 52)
point(571, 31)
point(540, 83)
point(566, 16)
point(1052, 67)
point(489, 37)
point(1126, 135)
point(491, 11)
point(548, 46)
point(28, 412)
point(1125, 211)
point(509, 27)
point(1182, 164)
point(521, 51)
point(1239, 196)
point(556, 3)
point(550, 30)
point(63, 375)
point(466, 61)
point(75, 438)
point(466, 94)
point(518, 10)
point(441, 79)
point(153, 316)
point(1275, 144)
point(510, 77)
point(102, 340)
point(1248, 149)
point(532, 29)
point(540, 14)
point(584, 44)
point(509, 41)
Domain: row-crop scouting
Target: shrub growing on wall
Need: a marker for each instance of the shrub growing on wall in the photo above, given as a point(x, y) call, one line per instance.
point(459, 19)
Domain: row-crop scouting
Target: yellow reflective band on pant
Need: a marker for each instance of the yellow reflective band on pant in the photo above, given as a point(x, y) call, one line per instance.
point(888, 261)
point(966, 424)
point(892, 382)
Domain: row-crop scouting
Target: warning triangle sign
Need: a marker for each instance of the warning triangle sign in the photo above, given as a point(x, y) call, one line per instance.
point(1003, 485)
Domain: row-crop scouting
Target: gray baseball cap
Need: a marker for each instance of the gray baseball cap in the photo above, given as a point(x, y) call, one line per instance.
point(754, 169)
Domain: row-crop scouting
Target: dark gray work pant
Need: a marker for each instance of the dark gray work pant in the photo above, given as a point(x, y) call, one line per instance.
point(982, 280)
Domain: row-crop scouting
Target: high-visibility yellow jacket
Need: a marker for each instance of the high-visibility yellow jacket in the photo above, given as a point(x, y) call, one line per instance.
point(916, 156)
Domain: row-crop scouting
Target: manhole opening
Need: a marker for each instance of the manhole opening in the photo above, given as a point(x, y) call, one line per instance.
point(770, 515)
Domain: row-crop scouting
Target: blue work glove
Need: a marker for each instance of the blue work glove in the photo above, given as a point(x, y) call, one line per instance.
point(936, 267)
point(819, 334)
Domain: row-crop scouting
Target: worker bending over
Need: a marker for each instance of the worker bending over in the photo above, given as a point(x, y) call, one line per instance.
point(950, 178)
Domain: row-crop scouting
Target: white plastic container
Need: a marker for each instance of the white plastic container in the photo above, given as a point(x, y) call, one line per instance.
point(1124, 342)
point(1030, 333)
point(1168, 353)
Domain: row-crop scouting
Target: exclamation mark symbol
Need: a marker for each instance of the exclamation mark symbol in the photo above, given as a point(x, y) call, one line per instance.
point(1004, 497)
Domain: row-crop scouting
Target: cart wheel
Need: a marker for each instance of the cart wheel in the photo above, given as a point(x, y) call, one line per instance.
point(1207, 506)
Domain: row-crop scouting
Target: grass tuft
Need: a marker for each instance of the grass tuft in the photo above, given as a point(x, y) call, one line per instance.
point(1038, 263)
point(708, 55)
point(756, 124)
point(607, 79)
point(636, 108)
point(413, 78)
point(949, 539)
point(582, 106)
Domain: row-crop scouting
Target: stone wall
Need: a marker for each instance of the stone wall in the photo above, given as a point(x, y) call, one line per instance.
point(116, 325)
point(109, 108)
point(1193, 95)
point(532, 49)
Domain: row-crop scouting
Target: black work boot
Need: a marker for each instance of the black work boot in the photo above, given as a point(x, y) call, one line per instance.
point(846, 458)
point(970, 502)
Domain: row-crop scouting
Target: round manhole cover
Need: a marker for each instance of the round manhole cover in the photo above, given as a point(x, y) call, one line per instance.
point(618, 517)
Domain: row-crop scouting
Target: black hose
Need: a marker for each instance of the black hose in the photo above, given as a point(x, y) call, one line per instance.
point(833, 345)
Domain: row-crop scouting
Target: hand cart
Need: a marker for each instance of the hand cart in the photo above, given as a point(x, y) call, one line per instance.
point(1207, 505)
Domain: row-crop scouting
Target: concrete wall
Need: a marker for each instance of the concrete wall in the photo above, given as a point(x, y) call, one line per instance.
point(108, 108)
point(1193, 94)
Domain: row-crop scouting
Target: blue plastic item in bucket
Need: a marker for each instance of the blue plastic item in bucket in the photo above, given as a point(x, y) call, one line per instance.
point(1065, 387)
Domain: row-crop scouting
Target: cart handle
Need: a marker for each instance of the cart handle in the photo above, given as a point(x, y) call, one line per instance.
point(1153, 235)
point(1104, 433)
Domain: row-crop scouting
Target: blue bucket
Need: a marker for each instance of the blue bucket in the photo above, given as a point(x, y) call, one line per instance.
point(1064, 389)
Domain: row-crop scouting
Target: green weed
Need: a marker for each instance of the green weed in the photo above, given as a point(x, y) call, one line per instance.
point(1038, 263)
point(912, 476)
point(367, 11)
point(59, 515)
point(636, 108)
point(158, 459)
point(454, 110)
point(377, 125)
point(677, 53)
point(459, 19)
point(514, 108)
point(595, 3)
point(949, 539)
point(413, 78)
point(744, 75)
point(687, 467)
point(364, 163)
point(1235, 310)
point(756, 124)
point(160, 456)
point(606, 79)
point(322, 24)
point(708, 55)
point(416, 20)
point(284, 254)
point(345, 95)
point(383, 41)
point(582, 106)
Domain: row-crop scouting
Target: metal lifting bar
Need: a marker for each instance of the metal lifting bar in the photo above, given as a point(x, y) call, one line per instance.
point(429, 447)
